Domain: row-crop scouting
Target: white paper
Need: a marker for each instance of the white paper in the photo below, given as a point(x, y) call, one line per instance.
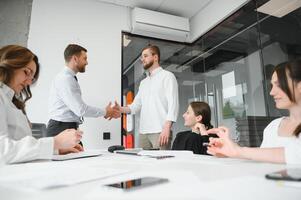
point(54, 176)
point(166, 153)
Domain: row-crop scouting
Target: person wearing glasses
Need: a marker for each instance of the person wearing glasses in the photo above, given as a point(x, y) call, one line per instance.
point(281, 138)
point(157, 101)
point(19, 69)
point(66, 106)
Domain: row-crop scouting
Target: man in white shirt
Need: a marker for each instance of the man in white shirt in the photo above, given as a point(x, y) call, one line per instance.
point(66, 106)
point(157, 101)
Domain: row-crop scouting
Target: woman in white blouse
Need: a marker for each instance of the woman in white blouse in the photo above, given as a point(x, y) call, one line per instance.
point(19, 68)
point(282, 138)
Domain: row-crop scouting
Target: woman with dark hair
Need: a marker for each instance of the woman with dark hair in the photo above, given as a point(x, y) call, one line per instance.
point(197, 118)
point(281, 138)
point(19, 68)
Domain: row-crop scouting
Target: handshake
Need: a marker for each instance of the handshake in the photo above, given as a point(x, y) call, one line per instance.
point(113, 111)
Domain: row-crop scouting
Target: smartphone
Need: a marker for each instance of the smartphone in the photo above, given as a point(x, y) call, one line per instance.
point(137, 183)
point(293, 174)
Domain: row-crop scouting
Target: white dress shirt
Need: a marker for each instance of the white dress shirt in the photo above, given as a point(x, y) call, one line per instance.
point(65, 99)
point(16, 141)
point(158, 100)
point(292, 145)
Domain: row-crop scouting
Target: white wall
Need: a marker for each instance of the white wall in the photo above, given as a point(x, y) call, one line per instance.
point(211, 15)
point(97, 27)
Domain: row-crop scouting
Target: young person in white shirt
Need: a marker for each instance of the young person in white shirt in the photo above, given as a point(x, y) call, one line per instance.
point(157, 101)
point(19, 68)
point(281, 139)
point(66, 106)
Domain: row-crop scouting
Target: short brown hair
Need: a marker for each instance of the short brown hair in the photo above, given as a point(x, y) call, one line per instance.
point(13, 57)
point(154, 50)
point(73, 49)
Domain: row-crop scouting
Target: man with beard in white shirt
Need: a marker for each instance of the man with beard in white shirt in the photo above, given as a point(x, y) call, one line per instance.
point(157, 100)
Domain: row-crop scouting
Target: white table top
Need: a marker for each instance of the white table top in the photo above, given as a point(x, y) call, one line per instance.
point(192, 177)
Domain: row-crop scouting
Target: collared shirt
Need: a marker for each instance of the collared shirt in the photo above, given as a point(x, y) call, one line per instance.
point(16, 141)
point(65, 99)
point(157, 98)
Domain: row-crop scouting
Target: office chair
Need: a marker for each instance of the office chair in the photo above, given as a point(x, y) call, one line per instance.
point(38, 130)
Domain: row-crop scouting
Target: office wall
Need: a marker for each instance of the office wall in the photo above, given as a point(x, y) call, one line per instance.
point(211, 15)
point(97, 27)
point(14, 21)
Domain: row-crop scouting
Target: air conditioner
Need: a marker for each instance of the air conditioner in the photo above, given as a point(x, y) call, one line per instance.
point(159, 25)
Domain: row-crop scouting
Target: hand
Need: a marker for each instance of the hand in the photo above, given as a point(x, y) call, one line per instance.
point(117, 107)
point(76, 149)
point(164, 135)
point(67, 139)
point(200, 128)
point(222, 146)
point(112, 112)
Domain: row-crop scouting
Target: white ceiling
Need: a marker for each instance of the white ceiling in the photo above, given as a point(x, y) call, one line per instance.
point(182, 8)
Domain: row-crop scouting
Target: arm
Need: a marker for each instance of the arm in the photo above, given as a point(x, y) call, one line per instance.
point(275, 155)
point(125, 109)
point(25, 149)
point(200, 128)
point(165, 134)
point(171, 86)
point(172, 95)
point(70, 93)
point(224, 146)
point(134, 107)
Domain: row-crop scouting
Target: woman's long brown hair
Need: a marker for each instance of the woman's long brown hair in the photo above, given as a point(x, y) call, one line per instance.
point(13, 57)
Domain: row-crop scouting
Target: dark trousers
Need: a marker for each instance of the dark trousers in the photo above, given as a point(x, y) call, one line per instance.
point(55, 127)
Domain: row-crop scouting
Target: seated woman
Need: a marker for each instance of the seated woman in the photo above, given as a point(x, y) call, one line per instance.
point(19, 68)
point(197, 118)
point(281, 138)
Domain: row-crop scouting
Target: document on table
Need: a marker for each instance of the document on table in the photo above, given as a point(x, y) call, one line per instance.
point(70, 156)
point(166, 153)
point(133, 151)
point(51, 175)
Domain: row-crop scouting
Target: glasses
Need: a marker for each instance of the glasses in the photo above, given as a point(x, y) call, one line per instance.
point(29, 74)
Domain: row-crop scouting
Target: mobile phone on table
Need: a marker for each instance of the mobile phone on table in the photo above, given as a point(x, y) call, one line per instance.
point(293, 174)
point(129, 185)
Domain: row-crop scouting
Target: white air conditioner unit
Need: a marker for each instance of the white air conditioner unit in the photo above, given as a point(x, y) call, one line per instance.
point(159, 25)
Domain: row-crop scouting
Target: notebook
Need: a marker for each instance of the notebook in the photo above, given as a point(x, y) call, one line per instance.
point(70, 156)
point(134, 151)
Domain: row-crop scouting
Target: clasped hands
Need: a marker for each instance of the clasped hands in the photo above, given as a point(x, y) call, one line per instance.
point(113, 111)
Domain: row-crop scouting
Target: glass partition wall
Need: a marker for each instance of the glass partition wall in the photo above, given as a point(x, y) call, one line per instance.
point(229, 67)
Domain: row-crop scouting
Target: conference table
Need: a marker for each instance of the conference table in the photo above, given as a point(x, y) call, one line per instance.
point(189, 176)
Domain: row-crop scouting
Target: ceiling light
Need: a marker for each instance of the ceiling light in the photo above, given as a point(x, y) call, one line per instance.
point(126, 40)
point(279, 8)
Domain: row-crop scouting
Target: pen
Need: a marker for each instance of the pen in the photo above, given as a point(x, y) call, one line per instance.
point(206, 144)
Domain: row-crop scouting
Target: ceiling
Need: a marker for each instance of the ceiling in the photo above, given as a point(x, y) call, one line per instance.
point(187, 8)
